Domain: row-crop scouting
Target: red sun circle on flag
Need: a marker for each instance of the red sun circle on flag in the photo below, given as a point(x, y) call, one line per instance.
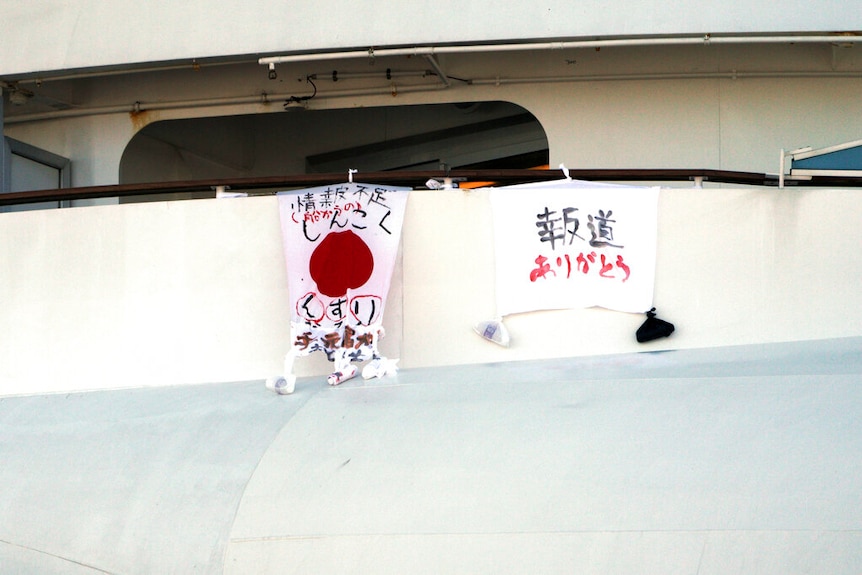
point(341, 262)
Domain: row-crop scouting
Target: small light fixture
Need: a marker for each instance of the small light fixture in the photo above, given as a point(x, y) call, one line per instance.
point(272, 74)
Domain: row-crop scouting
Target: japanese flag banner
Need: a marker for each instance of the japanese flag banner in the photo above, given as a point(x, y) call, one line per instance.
point(572, 244)
point(340, 245)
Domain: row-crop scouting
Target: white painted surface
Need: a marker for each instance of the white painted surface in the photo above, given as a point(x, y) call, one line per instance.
point(116, 294)
point(86, 33)
point(742, 459)
point(190, 292)
point(137, 481)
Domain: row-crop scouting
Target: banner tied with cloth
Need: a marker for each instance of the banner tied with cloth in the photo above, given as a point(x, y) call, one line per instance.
point(340, 246)
point(572, 244)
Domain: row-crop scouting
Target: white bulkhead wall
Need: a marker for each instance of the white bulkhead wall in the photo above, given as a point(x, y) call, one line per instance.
point(124, 295)
point(92, 33)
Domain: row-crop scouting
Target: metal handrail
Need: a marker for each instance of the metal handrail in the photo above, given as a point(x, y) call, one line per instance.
point(264, 185)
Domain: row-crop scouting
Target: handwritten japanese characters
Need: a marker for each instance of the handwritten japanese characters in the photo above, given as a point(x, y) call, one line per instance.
point(569, 246)
point(563, 230)
point(340, 244)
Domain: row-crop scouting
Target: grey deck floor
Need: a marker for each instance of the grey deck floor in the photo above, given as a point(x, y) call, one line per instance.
point(744, 459)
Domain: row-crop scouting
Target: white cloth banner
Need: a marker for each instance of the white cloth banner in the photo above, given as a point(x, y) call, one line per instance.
point(572, 244)
point(340, 244)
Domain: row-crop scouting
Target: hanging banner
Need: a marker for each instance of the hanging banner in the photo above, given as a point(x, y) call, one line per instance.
point(571, 244)
point(340, 244)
